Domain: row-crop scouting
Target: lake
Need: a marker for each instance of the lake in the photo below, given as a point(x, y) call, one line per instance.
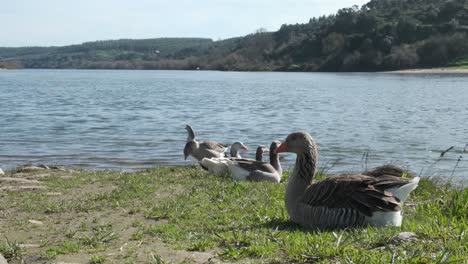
point(135, 119)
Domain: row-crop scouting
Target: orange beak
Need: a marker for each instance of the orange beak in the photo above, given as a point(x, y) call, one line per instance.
point(283, 147)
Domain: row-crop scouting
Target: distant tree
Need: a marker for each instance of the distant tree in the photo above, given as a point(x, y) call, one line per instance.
point(401, 57)
point(333, 43)
point(406, 30)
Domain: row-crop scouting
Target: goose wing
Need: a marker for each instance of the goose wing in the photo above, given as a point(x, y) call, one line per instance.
point(212, 145)
point(389, 170)
point(363, 193)
point(253, 165)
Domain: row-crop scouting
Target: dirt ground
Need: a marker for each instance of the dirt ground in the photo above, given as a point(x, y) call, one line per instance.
point(40, 237)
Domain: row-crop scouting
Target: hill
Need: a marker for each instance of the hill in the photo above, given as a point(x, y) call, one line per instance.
point(380, 35)
point(109, 54)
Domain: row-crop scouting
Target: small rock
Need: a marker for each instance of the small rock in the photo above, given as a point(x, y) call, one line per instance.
point(60, 168)
point(53, 193)
point(29, 246)
point(35, 222)
point(18, 180)
point(22, 188)
point(29, 169)
point(2, 260)
point(403, 237)
point(2, 172)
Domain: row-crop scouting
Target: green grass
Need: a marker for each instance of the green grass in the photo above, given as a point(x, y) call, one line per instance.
point(191, 210)
point(460, 63)
point(10, 249)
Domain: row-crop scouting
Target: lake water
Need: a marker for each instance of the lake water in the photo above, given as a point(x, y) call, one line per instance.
point(136, 119)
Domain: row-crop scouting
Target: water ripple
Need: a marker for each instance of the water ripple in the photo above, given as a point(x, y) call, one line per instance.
point(135, 119)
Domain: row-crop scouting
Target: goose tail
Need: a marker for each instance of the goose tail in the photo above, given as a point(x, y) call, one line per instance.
point(215, 166)
point(403, 192)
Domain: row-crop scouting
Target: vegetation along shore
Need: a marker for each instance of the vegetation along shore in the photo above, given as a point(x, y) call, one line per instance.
point(184, 214)
point(382, 35)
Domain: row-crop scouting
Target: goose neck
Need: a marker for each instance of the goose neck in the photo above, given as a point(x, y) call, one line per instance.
point(300, 178)
point(275, 162)
point(259, 154)
point(191, 133)
point(235, 153)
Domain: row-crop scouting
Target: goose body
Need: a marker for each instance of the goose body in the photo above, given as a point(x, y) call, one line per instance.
point(218, 166)
point(202, 149)
point(340, 201)
point(254, 170)
point(389, 170)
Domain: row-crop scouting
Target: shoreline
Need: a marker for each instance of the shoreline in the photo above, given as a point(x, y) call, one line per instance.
point(449, 70)
point(442, 70)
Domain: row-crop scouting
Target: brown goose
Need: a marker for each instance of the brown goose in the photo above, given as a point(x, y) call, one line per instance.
point(257, 170)
point(202, 149)
point(341, 201)
point(218, 166)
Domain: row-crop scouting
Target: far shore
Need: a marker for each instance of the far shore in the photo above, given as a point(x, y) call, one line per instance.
point(433, 71)
point(446, 70)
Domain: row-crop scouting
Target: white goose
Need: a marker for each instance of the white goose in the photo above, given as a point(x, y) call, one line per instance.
point(341, 201)
point(218, 166)
point(256, 170)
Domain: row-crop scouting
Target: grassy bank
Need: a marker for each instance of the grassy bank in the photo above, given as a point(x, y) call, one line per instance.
point(461, 63)
point(183, 214)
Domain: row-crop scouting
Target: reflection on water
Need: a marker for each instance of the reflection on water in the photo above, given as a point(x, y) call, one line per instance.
point(135, 119)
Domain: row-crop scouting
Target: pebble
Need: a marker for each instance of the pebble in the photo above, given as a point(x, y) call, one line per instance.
point(29, 246)
point(35, 222)
point(403, 237)
point(2, 260)
point(29, 169)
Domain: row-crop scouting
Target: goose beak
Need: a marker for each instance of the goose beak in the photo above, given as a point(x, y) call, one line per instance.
point(244, 147)
point(283, 147)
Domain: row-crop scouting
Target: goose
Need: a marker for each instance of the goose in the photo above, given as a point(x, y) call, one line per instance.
point(218, 166)
point(340, 201)
point(236, 147)
point(257, 170)
point(202, 149)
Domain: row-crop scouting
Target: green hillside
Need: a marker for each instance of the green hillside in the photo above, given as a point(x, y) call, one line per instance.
point(380, 35)
point(123, 53)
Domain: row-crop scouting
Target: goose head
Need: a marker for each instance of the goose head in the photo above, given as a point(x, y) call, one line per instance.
point(236, 148)
point(259, 153)
point(274, 146)
point(297, 142)
point(189, 147)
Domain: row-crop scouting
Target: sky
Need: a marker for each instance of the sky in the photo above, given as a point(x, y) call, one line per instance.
point(64, 22)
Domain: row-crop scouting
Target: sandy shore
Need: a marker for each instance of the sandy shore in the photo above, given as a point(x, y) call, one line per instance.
point(433, 71)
